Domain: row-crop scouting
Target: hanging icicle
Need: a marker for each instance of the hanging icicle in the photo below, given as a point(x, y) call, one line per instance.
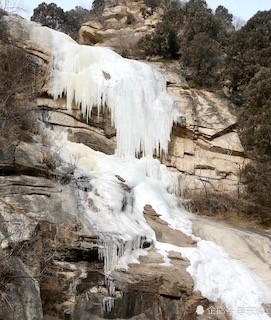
point(141, 110)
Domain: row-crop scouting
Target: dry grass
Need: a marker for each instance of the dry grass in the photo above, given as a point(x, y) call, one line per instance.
point(240, 211)
point(17, 89)
point(18, 121)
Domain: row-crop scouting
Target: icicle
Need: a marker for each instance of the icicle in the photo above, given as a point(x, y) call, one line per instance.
point(108, 304)
point(141, 110)
point(112, 251)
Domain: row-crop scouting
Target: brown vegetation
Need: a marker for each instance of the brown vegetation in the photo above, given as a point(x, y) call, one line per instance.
point(17, 90)
point(239, 210)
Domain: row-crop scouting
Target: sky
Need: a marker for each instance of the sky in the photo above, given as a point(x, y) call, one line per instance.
point(64, 4)
point(243, 9)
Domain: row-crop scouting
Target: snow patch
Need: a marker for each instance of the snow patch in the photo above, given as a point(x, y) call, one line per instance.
point(218, 277)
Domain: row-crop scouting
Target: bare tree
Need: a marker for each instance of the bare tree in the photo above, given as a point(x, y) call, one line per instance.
point(17, 88)
point(13, 6)
point(238, 23)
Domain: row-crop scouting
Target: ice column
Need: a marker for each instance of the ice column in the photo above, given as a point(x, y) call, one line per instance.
point(135, 93)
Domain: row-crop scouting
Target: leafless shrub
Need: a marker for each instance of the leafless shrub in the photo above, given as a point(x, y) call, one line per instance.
point(17, 73)
point(13, 6)
point(229, 207)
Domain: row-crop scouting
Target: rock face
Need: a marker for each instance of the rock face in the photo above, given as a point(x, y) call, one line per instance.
point(48, 250)
point(253, 247)
point(204, 147)
point(121, 26)
point(50, 266)
point(52, 271)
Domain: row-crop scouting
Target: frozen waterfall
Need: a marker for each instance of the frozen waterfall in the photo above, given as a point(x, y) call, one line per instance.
point(141, 110)
point(143, 114)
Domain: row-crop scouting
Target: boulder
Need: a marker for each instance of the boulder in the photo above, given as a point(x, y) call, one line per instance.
point(117, 12)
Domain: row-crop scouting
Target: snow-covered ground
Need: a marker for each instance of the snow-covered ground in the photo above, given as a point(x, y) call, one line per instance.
point(121, 185)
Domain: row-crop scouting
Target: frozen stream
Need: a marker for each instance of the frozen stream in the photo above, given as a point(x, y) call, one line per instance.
point(225, 264)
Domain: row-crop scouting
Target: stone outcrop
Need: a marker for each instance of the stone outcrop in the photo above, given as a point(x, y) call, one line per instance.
point(205, 145)
point(121, 25)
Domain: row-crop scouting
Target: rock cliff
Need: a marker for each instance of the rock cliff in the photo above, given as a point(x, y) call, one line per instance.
point(50, 250)
point(121, 25)
point(205, 146)
point(52, 269)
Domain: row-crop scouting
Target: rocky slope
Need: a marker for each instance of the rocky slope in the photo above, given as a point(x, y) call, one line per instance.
point(120, 25)
point(51, 268)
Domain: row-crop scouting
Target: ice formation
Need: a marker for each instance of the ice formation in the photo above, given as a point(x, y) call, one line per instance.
point(217, 276)
point(143, 115)
point(117, 215)
point(108, 303)
point(114, 208)
point(141, 110)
